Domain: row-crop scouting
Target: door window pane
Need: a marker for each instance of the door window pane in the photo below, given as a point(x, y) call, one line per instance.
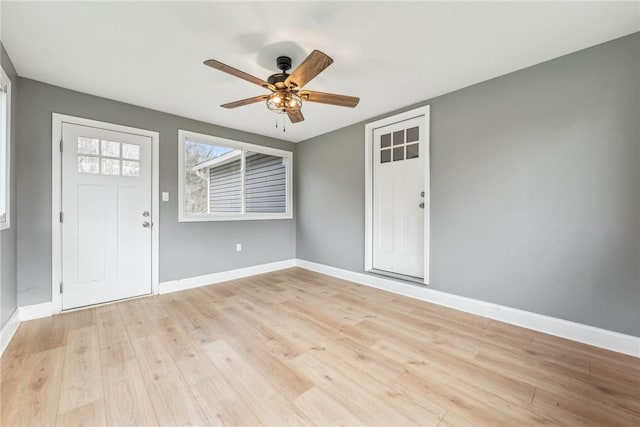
point(88, 146)
point(398, 153)
point(130, 151)
point(110, 167)
point(412, 151)
point(398, 137)
point(88, 164)
point(130, 168)
point(110, 148)
point(412, 134)
point(385, 140)
point(385, 156)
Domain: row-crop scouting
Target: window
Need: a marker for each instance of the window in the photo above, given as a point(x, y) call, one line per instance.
point(104, 157)
point(400, 143)
point(221, 180)
point(5, 156)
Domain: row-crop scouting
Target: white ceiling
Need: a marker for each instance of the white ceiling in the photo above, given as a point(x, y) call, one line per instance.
point(390, 54)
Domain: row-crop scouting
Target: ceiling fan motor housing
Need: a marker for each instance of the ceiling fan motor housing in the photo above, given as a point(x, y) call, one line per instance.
point(284, 64)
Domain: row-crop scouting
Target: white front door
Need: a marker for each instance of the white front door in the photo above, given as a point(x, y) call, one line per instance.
point(399, 154)
point(106, 215)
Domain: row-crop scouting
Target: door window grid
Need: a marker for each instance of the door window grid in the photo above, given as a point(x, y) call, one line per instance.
point(105, 157)
point(399, 145)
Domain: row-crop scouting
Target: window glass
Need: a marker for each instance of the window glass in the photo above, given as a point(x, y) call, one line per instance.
point(398, 153)
point(265, 183)
point(385, 156)
point(103, 157)
point(412, 151)
point(225, 179)
point(87, 164)
point(385, 140)
point(5, 114)
point(110, 148)
point(205, 163)
point(88, 146)
point(130, 168)
point(131, 151)
point(412, 134)
point(110, 167)
point(398, 137)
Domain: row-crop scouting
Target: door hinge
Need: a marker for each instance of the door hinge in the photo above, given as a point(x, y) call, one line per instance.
point(61, 146)
point(60, 287)
point(61, 216)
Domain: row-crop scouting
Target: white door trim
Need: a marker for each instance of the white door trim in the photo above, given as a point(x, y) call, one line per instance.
point(368, 184)
point(57, 121)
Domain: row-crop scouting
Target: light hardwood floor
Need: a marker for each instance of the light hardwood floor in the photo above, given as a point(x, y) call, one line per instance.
point(296, 347)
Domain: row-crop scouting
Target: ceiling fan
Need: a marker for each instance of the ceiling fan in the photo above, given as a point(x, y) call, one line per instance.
point(286, 89)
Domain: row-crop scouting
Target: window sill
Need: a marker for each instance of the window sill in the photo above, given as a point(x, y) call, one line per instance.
point(217, 218)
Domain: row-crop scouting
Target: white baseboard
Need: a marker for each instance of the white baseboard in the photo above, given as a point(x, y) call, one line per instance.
point(36, 311)
point(9, 330)
point(591, 335)
point(223, 276)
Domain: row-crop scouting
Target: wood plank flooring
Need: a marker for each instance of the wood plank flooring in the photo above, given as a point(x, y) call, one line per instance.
point(299, 348)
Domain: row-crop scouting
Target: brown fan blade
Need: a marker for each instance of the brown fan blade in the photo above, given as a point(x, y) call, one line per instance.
point(310, 67)
point(237, 73)
point(329, 98)
point(245, 101)
point(295, 116)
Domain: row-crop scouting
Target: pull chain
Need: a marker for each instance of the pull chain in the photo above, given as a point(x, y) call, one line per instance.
point(284, 124)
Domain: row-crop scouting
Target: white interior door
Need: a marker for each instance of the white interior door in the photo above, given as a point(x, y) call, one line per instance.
point(399, 155)
point(106, 215)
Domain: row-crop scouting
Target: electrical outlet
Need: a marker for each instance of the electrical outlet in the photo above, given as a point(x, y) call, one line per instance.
point(238, 247)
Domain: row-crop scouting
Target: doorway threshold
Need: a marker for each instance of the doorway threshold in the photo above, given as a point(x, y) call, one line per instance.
point(417, 280)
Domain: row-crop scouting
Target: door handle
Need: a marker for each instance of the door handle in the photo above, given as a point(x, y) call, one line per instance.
point(146, 224)
point(422, 194)
point(145, 214)
point(421, 205)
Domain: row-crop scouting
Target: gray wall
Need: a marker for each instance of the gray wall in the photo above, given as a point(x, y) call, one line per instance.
point(186, 249)
point(535, 190)
point(8, 240)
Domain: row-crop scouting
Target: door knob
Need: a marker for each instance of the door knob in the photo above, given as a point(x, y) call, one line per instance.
point(421, 205)
point(145, 214)
point(422, 194)
point(146, 224)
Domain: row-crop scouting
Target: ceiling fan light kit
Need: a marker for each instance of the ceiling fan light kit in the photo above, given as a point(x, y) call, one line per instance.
point(286, 95)
point(284, 102)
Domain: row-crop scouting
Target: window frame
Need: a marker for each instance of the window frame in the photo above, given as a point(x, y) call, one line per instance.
point(184, 135)
point(5, 154)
